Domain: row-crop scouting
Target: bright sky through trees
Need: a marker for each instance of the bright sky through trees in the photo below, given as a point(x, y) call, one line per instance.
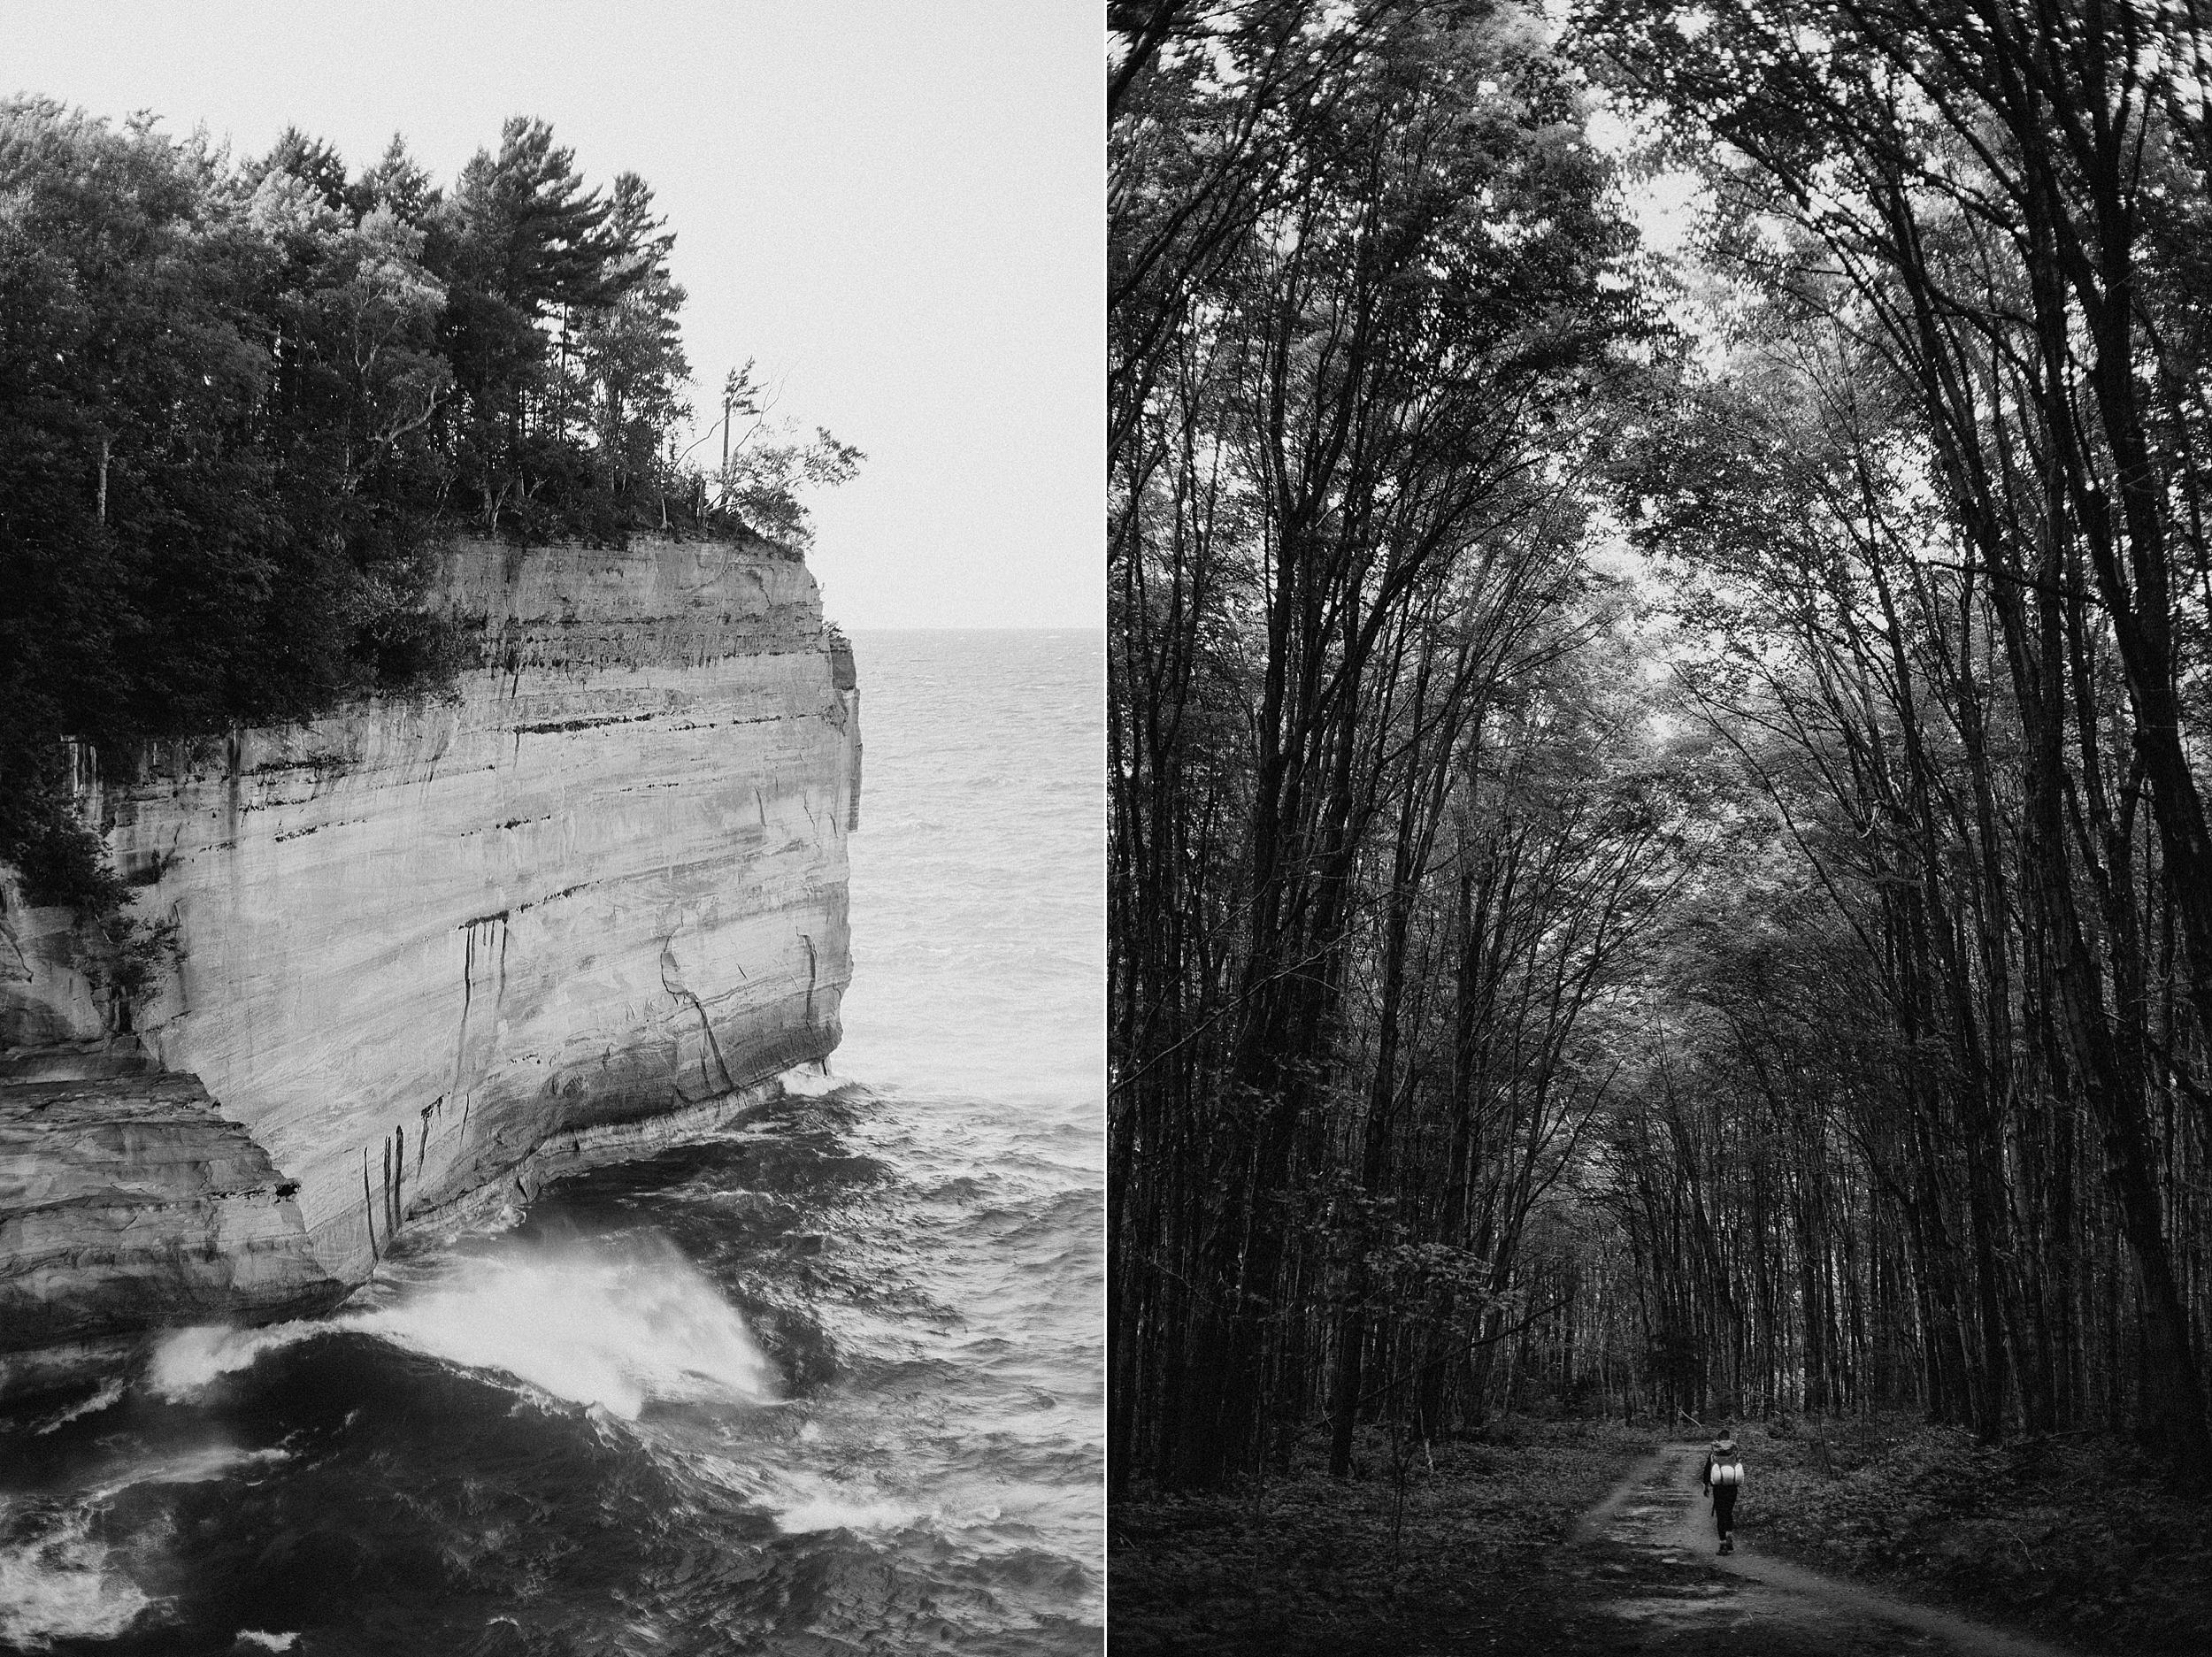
point(894, 209)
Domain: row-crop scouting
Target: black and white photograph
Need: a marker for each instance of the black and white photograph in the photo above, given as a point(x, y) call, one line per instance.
point(1192, 828)
point(551, 829)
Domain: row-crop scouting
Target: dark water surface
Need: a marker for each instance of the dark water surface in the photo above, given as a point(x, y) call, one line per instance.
point(828, 1381)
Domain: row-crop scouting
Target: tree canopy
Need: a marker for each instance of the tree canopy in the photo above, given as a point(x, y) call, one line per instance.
point(243, 401)
point(1658, 848)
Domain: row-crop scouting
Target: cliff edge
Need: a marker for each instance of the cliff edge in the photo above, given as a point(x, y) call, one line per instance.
point(429, 948)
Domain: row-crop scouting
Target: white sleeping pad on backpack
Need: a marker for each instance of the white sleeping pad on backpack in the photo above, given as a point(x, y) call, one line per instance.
point(1727, 1473)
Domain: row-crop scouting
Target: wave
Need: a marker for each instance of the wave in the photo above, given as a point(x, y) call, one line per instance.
point(593, 1325)
point(811, 1081)
point(598, 1324)
point(188, 1362)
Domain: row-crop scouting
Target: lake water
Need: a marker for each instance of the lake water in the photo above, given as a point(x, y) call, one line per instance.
point(830, 1382)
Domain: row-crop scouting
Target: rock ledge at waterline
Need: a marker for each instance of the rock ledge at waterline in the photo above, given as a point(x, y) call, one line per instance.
point(432, 948)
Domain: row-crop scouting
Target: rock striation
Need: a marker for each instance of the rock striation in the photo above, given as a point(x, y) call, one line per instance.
point(429, 946)
point(128, 1202)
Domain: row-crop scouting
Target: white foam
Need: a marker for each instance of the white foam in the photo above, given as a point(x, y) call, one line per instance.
point(187, 1361)
point(58, 1583)
point(829, 1514)
point(592, 1326)
point(60, 1587)
point(191, 1467)
point(822, 1505)
point(268, 1642)
point(110, 1393)
point(811, 1081)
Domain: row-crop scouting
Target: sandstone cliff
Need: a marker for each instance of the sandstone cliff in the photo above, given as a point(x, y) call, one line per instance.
point(427, 944)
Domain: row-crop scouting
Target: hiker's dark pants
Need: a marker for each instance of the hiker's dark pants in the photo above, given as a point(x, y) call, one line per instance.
point(1724, 1508)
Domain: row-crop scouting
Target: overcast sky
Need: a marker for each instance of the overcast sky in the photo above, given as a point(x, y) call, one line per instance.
point(893, 205)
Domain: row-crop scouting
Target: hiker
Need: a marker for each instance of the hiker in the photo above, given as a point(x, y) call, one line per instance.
point(1722, 1478)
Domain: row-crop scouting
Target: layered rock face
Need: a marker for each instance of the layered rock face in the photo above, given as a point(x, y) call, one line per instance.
point(425, 939)
point(128, 1202)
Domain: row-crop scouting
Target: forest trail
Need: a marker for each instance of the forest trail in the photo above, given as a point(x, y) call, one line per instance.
point(1646, 1556)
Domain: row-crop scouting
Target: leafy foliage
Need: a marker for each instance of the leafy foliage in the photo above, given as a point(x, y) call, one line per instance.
point(244, 401)
point(769, 462)
point(1314, 1564)
point(2078, 1536)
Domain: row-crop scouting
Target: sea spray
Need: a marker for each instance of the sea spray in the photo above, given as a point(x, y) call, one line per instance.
point(597, 1324)
point(614, 1325)
point(186, 1363)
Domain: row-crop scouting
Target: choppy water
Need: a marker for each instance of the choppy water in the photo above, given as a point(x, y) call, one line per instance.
point(828, 1382)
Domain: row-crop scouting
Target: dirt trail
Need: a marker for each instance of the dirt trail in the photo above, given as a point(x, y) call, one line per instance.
point(1645, 1558)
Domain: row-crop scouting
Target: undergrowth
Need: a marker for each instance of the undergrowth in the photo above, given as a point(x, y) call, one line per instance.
point(1309, 1564)
point(2078, 1536)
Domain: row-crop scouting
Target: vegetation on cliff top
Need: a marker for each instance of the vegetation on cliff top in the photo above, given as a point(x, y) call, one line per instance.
point(243, 400)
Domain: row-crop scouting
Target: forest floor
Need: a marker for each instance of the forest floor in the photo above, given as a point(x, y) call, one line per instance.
point(1576, 1538)
point(2076, 1538)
